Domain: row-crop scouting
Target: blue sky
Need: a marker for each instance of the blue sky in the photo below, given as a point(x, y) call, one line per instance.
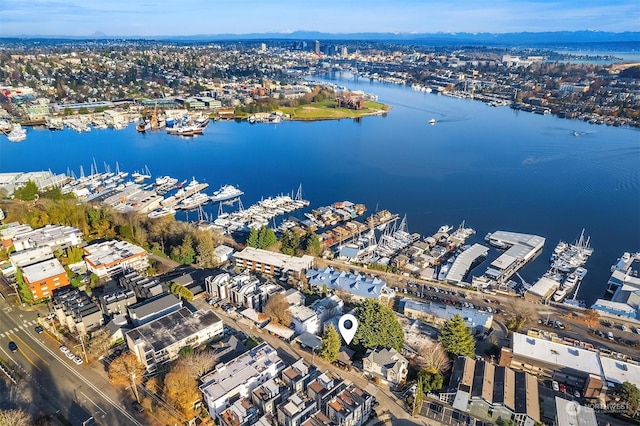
point(188, 17)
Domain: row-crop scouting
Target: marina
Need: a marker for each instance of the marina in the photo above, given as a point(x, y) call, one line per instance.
point(566, 273)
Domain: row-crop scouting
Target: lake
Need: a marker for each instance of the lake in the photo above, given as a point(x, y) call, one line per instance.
point(494, 167)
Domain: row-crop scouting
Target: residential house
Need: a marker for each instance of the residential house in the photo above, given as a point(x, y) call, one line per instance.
point(388, 364)
point(241, 413)
point(268, 395)
point(324, 388)
point(298, 408)
point(159, 341)
point(304, 319)
point(353, 406)
point(237, 378)
point(117, 302)
point(298, 375)
point(143, 287)
point(76, 311)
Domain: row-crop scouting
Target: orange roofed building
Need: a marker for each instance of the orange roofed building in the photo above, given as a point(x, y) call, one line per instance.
point(44, 277)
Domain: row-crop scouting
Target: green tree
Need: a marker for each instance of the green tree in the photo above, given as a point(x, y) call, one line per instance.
point(204, 249)
point(266, 238)
point(456, 337)
point(184, 253)
point(74, 255)
point(312, 244)
point(630, 395)
point(431, 379)
point(94, 280)
point(23, 288)
point(186, 351)
point(330, 344)
point(378, 326)
point(252, 239)
point(28, 192)
point(290, 242)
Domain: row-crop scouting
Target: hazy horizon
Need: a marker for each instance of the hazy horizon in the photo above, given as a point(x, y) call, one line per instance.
point(152, 18)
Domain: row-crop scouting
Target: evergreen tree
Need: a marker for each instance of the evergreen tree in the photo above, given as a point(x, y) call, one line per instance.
point(312, 244)
point(287, 243)
point(28, 192)
point(456, 337)
point(266, 238)
point(630, 395)
point(378, 326)
point(431, 379)
point(252, 239)
point(330, 344)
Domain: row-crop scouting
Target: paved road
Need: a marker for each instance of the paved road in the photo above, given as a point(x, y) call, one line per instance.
point(55, 382)
point(396, 407)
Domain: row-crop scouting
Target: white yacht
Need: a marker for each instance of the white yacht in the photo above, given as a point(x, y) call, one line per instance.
point(17, 134)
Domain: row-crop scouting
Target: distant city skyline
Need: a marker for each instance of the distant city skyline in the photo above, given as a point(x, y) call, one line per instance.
point(193, 17)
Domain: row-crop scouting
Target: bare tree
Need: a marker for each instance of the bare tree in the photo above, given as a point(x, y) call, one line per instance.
point(99, 343)
point(197, 363)
point(126, 370)
point(432, 355)
point(14, 418)
point(277, 308)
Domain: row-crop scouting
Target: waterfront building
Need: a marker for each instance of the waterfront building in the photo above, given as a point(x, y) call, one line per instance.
point(520, 249)
point(480, 387)
point(110, 257)
point(478, 321)
point(358, 286)
point(44, 277)
point(624, 288)
point(268, 262)
point(239, 377)
point(160, 341)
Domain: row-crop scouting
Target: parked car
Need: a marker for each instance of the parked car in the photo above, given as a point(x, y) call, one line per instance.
point(137, 407)
point(563, 388)
point(38, 329)
point(610, 335)
point(64, 349)
point(555, 386)
point(70, 355)
point(77, 360)
point(13, 347)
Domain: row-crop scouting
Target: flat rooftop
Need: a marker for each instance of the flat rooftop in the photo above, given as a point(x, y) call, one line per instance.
point(43, 270)
point(173, 328)
point(463, 262)
point(558, 354)
point(279, 260)
point(110, 252)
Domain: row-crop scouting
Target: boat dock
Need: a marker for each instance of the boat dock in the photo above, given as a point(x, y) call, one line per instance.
point(464, 262)
point(521, 248)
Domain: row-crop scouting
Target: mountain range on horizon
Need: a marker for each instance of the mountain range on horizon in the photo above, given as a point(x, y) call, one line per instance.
point(519, 38)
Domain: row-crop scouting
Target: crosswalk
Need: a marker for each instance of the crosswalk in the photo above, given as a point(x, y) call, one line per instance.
point(26, 325)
